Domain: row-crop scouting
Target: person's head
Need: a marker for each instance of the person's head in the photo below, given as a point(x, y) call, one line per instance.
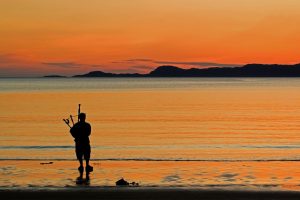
point(82, 117)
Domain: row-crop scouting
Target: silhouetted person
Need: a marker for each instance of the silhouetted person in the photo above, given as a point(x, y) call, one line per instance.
point(81, 132)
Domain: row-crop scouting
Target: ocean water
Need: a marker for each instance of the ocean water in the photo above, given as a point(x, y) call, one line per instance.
point(193, 132)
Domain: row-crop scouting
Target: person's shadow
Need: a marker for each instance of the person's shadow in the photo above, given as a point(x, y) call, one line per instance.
point(83, 181)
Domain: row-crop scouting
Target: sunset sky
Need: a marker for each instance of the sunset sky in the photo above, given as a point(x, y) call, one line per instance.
point(67, 37)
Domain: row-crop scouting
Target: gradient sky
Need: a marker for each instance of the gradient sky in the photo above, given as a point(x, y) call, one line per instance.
point(40, 37)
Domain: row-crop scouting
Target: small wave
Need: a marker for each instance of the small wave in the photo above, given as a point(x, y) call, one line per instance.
point(161, 147)
point(36, 147)
point(153, 160)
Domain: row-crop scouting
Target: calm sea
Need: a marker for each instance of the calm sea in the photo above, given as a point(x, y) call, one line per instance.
point(158, 120)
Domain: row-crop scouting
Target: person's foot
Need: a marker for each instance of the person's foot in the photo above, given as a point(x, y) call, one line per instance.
point(79, 180)
point(88, 168)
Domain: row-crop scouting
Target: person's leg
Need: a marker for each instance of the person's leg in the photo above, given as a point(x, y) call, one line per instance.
point(79, 155)
point(87, 161)
point(88, 168)
point(80, 168)
point(87, 154)
point(80, 162)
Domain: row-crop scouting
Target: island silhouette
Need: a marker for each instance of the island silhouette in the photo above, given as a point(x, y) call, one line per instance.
point(249, 70)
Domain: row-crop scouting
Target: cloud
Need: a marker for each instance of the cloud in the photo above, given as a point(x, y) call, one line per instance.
point(129, 69)
point(18, 71)
point(123, 71)
point(202, 64)
point(71, 64)
point(159, 62)
point(8, 58)
point(4, 58)
point(142, 67)
point(13, 65)
point(134, 69)
point(134, 60)
point(63, 64)
point(139, 60)
point(95, 66)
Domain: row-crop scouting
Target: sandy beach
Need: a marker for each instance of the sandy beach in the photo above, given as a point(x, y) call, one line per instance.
point(146, 194)
point(252, 176)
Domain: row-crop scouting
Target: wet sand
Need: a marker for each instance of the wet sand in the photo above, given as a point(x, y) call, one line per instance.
point(146, 194)
point(254, 176)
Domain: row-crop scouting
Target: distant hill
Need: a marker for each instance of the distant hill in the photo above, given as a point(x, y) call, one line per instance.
point(250, 70)
point(104, 74)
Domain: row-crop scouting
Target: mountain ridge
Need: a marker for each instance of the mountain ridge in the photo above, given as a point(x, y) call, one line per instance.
point(249, 70)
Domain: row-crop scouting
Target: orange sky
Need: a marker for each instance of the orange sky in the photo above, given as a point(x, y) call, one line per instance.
point(39, 37)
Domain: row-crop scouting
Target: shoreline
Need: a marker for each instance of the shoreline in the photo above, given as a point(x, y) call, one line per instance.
point(133, 193)
point(62, 175)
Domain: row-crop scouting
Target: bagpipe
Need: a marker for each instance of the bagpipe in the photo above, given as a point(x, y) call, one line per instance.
point(70, 119)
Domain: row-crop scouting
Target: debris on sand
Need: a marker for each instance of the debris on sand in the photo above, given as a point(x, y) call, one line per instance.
point(46, 163)
point(123, 182)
